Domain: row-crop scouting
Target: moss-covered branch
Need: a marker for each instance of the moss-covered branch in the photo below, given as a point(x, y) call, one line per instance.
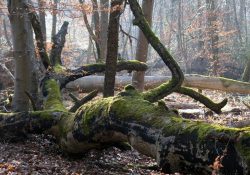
point(216, 107)
point(85, 70)
point(177, 74)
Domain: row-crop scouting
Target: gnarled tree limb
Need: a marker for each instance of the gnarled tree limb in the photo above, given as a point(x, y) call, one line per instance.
point(177, 75)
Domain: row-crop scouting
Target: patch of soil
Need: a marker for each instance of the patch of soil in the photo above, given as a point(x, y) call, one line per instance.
point(39, 154)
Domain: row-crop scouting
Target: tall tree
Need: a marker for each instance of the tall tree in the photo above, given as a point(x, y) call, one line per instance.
point(142, 45)
point(54, 18)
point(104, 16)
point(42, 15)
point(212, 30)
point(23, 52)
point(95, 22)
point(112, 48)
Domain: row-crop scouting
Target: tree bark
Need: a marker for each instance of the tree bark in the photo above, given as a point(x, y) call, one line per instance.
point(42, 15)
point(23, 53)
point(54, 19)
point(212, 27)
point(142, 45)
point(112, 46)
point(104, 17)
point(96, 19)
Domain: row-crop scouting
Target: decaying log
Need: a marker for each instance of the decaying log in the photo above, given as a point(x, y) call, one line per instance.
point(193, 81)
point(178, 145)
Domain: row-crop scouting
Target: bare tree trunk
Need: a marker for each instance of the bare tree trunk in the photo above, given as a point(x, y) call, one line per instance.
point(23, 53)
point(104, 6)
point(171, 20)
point(54, 19)
point(212, 27)
point(96, 19)
point(112, 46)
point(42, 15)
point(200, 39)
point(142, 46)
point(90, 50)
point(237, 24)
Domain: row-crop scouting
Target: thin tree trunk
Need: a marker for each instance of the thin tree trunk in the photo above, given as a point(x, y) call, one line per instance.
point(237, 22)
point(90, 50)
point(112, 46)
point(96, 19)
point(212, 27)
point(172, 7)
point(200, 38)
point(54, 19)
point(142, 46)
point(42, 15)
point(104, 6)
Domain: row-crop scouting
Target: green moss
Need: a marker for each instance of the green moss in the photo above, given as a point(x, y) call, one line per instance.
point(94, 109)
point(59, 69)
point(130, 105)
point(54, 99)
point(160, 92)
point(126, 106)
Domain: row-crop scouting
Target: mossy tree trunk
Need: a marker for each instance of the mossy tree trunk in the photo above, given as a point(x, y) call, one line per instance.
point(177, 144)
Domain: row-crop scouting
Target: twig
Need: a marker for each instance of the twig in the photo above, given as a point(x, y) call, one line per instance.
point(74, 98)
point(127, 34)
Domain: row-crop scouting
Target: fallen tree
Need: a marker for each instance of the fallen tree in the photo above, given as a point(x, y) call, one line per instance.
point(177, 144)
point(192, 81)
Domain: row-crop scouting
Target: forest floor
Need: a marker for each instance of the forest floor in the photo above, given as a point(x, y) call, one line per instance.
point(39, 154)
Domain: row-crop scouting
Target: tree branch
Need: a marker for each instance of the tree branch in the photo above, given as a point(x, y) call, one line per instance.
point(177, 75)
point(216, 107)
point(84, 100)
point(86, 70)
